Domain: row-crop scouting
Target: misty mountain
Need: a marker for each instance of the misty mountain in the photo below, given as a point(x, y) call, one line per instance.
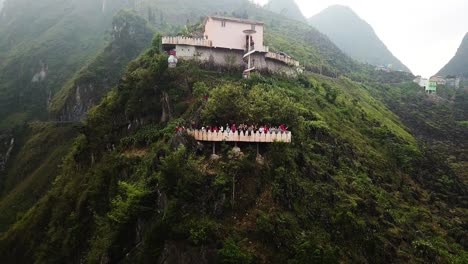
point(354, 36)
point(42, 45)
point(287, 8)
point(458, 65)
point(103, 178)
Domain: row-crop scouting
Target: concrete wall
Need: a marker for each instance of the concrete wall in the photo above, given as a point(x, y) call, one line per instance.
point(240, 137)
point(185, 51)
point(231, 36)
point(232, 59)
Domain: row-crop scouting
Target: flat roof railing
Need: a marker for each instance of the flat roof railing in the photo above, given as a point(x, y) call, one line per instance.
point(241, 136)
point(186, 41)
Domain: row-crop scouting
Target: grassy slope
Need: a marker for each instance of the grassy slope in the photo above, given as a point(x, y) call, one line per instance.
point(345, 190)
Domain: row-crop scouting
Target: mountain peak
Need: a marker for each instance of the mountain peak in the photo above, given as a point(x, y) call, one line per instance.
point(354, 36)
point(339, 8)
point(458, 65)
point(287, 8)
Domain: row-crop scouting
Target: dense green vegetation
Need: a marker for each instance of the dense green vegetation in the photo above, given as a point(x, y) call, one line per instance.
point(40, 148)
point(375, 174)
point(458, 65)
point(130, 35)
point(354, 36)
point(438, 121)
point(53, 37)
point(352, 187)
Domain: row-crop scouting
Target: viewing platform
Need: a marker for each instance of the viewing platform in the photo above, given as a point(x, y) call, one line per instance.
point(241, 136)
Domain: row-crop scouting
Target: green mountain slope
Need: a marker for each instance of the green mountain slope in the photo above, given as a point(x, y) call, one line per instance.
point(458, 65)
point(41, 63)
point(86, 88)
point(438, 122)
point(130, 35)
point(354, 36)
point(352, 186)
point(357, 185)
point(287, 8)
point(39, 152)
point(43, 44)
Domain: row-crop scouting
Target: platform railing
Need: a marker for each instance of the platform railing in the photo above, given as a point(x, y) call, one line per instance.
point(241, 136)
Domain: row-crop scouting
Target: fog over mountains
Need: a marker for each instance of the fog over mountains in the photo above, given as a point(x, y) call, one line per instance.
point(287, 8)
point(97, 166)
point(355, 36)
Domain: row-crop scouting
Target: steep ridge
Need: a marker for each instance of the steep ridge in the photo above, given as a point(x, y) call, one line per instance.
point(130, 35)
point(354, 36)
point(458, 65)
point(287, 8)
point(350, 188)
point(43, 44)
point(39, 149)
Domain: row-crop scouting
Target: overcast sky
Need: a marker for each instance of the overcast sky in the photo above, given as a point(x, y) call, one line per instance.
point(423, 34)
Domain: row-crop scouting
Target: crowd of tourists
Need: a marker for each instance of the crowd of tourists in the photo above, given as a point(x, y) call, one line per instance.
point(233, 128)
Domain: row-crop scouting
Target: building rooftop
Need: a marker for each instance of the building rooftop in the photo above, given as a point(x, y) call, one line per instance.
point(238, 20)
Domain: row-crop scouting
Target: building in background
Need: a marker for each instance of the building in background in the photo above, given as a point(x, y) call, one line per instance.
point(453, 81)
point(422, 82)
point(431, 87)
point(438, 79)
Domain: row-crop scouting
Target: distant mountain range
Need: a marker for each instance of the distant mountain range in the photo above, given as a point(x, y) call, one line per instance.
point(354, 36)
point(458, 65)
point(287, 8)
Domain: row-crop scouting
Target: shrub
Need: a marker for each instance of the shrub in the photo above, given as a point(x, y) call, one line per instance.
point(232, 253)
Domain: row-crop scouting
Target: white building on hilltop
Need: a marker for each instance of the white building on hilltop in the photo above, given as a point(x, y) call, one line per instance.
point(233, 43)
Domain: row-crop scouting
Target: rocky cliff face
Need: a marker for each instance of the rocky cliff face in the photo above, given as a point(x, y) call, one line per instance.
point(130, 35)
point(7, 142)
point(85, 97)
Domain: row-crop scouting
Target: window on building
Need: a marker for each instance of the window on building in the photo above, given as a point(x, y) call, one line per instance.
point(223, 23)
point(253, 27)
